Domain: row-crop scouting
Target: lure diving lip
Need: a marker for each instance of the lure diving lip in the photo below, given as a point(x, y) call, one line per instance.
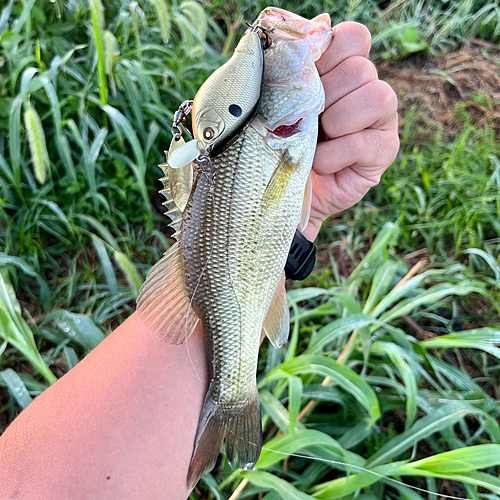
point(184, 155)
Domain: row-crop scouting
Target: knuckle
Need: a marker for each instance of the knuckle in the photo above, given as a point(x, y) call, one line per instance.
point(367, 69)
point(373, 181)
point(383, 96)
point(361, 70)
point(327, 124)
point(363, 37)
point(393, 149)
point(386, 149)
point(379, 150)
point(357, 145)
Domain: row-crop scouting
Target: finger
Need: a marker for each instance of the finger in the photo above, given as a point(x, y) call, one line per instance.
point(349, 39)
point(349, 75)
point(373, 105)
point(371, 149)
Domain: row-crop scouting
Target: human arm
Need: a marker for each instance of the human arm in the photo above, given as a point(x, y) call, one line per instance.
point(120, 425)
point(130, 409)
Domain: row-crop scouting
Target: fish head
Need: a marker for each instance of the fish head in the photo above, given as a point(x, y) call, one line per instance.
point(292, 87)
point(229, 99)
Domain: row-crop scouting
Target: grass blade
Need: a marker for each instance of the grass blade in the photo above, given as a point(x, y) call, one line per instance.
point(442, 418)
point(139, 166)
point(107, 267)
point(349, 380)
point(294, 399)
point(280, 486)
point(383, 238)
point(97, 12)
point(276, 450)
point(15, 330)
point(339, 488)
point(71, 357)
point(402, 361)
point(337, 329)
point(15, 139)
point(467, 459)
point(429, 297)
point(77, 327)
point(16, 387)
point(482, 338)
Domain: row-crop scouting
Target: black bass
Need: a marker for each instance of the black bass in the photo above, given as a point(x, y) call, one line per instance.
point(246, 196)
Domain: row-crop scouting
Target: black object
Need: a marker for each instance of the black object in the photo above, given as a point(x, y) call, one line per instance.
point(301, 258)
point(235, 110)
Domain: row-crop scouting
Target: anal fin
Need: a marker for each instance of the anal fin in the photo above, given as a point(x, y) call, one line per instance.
point(163, 303)
point(277, 323)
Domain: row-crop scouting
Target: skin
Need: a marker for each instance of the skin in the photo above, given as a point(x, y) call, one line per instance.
point(121, 424)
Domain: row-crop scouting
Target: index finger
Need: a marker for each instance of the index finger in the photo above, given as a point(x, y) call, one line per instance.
point(349, 39)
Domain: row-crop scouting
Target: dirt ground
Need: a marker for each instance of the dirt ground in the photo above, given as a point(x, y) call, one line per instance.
point(447, 88)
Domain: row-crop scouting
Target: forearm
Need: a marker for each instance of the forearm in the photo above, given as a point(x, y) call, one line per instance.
point(121, 424)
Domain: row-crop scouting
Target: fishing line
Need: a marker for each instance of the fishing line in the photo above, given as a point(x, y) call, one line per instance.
point(185, 324)
point(191, 304)
point(334, 462)
point(423, 490)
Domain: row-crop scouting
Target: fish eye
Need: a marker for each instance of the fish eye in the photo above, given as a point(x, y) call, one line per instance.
point(208, 133)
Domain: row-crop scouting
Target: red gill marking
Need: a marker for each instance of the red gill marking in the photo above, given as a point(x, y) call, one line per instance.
point(286, 130)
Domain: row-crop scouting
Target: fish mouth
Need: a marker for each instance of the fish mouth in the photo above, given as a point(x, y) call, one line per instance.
point(286, 130)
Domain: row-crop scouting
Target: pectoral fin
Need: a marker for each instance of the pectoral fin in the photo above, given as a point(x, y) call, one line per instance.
point(163, 303)
point(278, 184)
point(322, 17)
point(277, 322)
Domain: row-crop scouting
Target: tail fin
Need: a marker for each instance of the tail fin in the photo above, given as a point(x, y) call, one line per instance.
point(242, 432)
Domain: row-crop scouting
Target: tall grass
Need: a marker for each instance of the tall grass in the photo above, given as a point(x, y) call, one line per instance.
point(391, 371)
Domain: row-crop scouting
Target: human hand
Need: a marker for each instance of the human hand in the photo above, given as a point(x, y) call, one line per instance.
point(359, 125)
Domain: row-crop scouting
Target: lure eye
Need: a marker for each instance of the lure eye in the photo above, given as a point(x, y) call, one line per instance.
point(235, 110)
point(208, 126)
point(208, 133)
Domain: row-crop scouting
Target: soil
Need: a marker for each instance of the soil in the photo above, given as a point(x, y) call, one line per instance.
point(451, 89)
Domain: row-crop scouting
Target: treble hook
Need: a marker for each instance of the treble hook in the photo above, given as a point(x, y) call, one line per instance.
point(262, 32)
point(180, 117)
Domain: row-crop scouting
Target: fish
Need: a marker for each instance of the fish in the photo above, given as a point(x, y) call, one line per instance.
point(237, 222)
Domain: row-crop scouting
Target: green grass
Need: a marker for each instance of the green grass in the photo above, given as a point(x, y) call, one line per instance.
point(86, 101)
point(445, 195)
